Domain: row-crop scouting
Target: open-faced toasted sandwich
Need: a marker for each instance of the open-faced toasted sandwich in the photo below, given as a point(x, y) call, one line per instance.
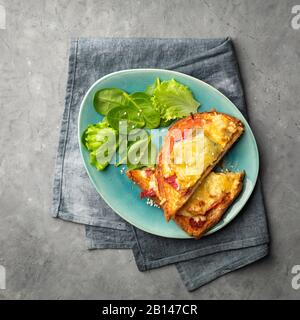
point(205, 207)
point(209, 136)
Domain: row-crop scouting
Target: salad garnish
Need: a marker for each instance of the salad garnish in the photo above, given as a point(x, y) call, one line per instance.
point(158, 106)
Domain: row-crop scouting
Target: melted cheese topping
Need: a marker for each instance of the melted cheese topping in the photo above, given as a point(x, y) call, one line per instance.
point(152, 183)
point(203, 151)
point(190, 158)
point(220, 129)
point(211, 192)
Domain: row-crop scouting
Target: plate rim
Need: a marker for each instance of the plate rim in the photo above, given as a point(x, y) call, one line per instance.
point(141, 70)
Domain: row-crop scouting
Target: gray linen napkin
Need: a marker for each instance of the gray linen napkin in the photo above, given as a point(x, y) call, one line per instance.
point(243, 241)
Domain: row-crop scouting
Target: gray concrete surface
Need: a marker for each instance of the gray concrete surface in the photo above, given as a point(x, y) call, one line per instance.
point(39, 252)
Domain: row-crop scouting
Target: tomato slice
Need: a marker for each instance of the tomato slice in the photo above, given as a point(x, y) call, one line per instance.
point(149, 172)
point(148, 194)
point(180, 132)
point(172, 181)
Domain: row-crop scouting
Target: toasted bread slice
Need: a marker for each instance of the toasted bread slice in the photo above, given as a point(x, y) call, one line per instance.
point(209, 202)
point(145, 179)
point(205, 207)
point(175, 181)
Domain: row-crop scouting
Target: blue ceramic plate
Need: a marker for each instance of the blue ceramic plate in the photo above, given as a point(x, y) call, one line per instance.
point(121, 194)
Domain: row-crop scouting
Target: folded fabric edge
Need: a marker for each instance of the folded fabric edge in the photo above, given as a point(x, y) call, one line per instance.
point(94, 245)
point(94, 222)
point(58, 169)
point(144, 265)
point(195, 284)
point(153, 38)
point(224, 47)
point(107, 238)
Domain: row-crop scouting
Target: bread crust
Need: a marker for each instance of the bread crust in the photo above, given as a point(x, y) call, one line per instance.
point(184, 222)
point(213, 216)
point(140, 178)
point(171, 199)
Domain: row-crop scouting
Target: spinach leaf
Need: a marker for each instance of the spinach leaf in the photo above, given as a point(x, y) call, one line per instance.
point(141, 154)
point(107, 99)
point(136, 153)
point(137, 134)
point(165, 123)
point(152, 155)
point(129, 113)
point(145, 106)
point(133, 136)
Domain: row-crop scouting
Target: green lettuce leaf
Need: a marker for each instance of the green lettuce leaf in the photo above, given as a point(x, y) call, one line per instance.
point(174, 100)
point(96, 139)
point(150, 89)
